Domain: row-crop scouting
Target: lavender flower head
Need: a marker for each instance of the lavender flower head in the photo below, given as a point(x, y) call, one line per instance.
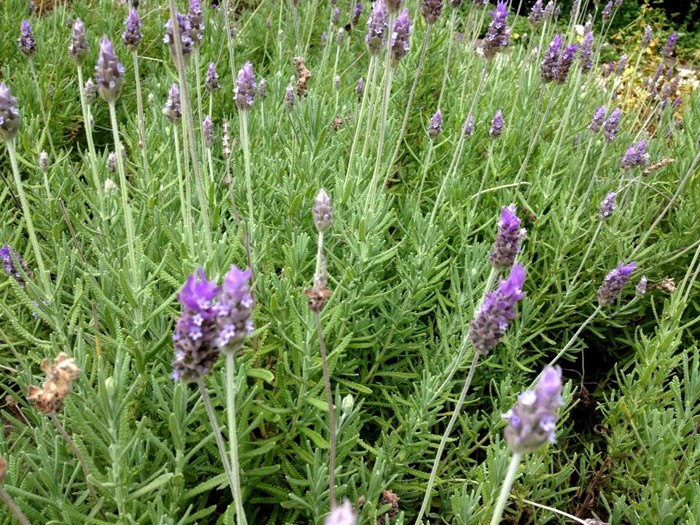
point(647, 36)
point(195, 331)
point(244, 93)
point(508, 240)
point(400, 37)
point(532, 421)
point(360, 88)
point(376, 28)
point(322, 211)
point(109, 72)
point(607, 11)
point(668, 48)
point(90, 91)
point(172, 109)
point(549, 10)
point(27, 42)
point(468, 127)
point(131, 37)
point(342, 515)
point(549, 65)
point(536, 14)
point(641, 287)
point(14, 265)
point(196, 20)
point(43, 161)
point(9, 113)
point(621, 65)
point(610, 126)
point(289, 96)
point(491, 318)
point(435, 126)
point(566, 59)
point(618, 3)
point(598, 119)
point(636, 155)
point(185, 30)
point(357, 12)
point(585, 54)
point(234, 311)
point(211, 80)
point(335, 16)
point(262, 88)
point(79, 47)
point(496, 125)
point(208, 132)
point(497, 35)
point(431, 10)
point(614, 282)
point(607, 207)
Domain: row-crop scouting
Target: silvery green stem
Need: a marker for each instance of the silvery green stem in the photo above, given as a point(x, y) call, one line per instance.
point(14, 509)
point(210, 164)
point(233, 437)
point(217, 433)
point(142, 121)
point(326, 48)
point(128, 223)
point(448, 58)
point(295, 19)
point(91, 143)
point(360, 116)
point(426, 166)
point(331, 410)
point(562, 126)
point(40, 98)
point(26, 211)
point(198, 81)
point(591, 182)
point(588, 252)
point(533, 139)
point(373, 87)
point(556, 511)
point(505, 488)
point(185, 196)
point(580, 173)
point(388, 76)
point(229, 40)
point(631, 80)
point(572, 340)
point(310, 23)
point(245, 146)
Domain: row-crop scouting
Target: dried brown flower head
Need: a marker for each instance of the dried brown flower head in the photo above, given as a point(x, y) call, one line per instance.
point(667, 285)
point(304, 75)
point(657, 166)
point(59, 377)
point(389, 497)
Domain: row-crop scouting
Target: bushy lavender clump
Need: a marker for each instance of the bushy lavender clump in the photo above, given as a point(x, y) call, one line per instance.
point(607, 11)
point(109, 72)
point(670, 45)
point(532, 421)
point(435, 126)
point(497, 35)
point(196, 20)
point(585, 55)
point(468, 127)
point(342, 515)
point(508, 240)
point(400, 37)
point(646, 37)
point(431, 10)
point(376, 28)
point(536, 14)
point(211, 80)
point(548, 66)
point(607, 207)
point(195, 331)
point(79, 47)
point(244, 92)
point(234, 311)
point(131, 37)
point(10, 261)
point(636, 155)
point(496, 125)
point(611, 124)
point(208, 131)
point(27, 42)
point(614, 282)
point(172, 109)
point(598, 119)
point(491, 318)
point(185, 30)
point(9, 113)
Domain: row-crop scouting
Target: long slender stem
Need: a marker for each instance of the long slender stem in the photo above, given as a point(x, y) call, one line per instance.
point(505, 488)
point(245, 145)
point(331, 410)
point(128, 223)
point(91, 143)
point(217, 433)
point(388, 76)
point(7, 500)
point(588, 252)
point(198, 81)
point(185, 199)
point(361, 114)
point(573, 339)
point(233, 436)
point(142, 120)
point(42, 107)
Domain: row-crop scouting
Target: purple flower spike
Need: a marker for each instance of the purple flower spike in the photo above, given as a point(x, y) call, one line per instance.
point(549, 65)
point(208, 131)
point(342, 515)
point(536, 14)
point(566, 59)
point(195, 331)
point(431, 10)
point(647, 36)
point(491, 318)
point(289, 96)
point(244, 93)
point(79, 47)
point(532, 421)
point(496, 125)
point(670, 45)
point(497, 36)
point(468, 127)
point(621, 65)
point(435, 127)
point(186, 41)
point(509, 239)
point(614, 282)
point(597, 120)
point(636, 155)
point(335, 16)
point(618, 3)
point(360, 88)
point(607, 11)
point(322, 211)
point(610, 126)
point(234, 311)
point(131, 37)
point(196, 20)
point(27, 43)
point(14, 266)
point(212, 78)
point(549, 10)
point(585, 55)
point(607, 207)
point(9, 113)
point(400, 37)
point(641, 287)
point(376, 28)
point(109, 72)
point(172, 109)
point(357, 12)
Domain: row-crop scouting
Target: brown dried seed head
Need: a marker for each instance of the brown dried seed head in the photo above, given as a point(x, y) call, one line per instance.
point(304, 75)
point(59, 376)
